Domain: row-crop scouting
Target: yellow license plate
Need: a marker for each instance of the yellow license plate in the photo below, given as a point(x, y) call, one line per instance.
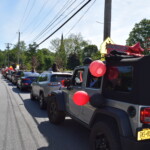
point(143, 134)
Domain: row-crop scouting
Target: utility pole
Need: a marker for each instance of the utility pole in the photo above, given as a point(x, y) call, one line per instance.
point(8, 47)
point(107, 19)
point(18, 46)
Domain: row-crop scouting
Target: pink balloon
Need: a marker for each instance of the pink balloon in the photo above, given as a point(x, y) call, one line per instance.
point(97, 68)
point(81, 98)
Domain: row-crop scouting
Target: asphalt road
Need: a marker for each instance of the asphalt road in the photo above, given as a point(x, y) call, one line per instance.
point(23, 126)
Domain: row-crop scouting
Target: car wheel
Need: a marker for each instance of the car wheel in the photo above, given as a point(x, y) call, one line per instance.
point(32, 97)
point(21, 88)
point(42, 101)
point(54, 114)
point(104, 137)
point(17, 86)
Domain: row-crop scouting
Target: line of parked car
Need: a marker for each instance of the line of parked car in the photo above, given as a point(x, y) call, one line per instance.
point(40, 85)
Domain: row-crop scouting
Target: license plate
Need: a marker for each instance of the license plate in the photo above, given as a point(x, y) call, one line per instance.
point(143, 134)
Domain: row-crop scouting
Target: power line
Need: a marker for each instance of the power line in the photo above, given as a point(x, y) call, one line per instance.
point(24, 13)
point(80, 18)
point(65, 22)
point(29, 12)
point(38, 14)
point(43, 18)
point(63, 18)
point(54, 20)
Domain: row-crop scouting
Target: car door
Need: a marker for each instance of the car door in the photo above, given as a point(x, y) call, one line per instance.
point(88, 109)
point(44, 83)
point(35, 85)
point(77, 83)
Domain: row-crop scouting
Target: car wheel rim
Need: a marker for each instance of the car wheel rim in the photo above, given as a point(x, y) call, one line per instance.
point(101, 142)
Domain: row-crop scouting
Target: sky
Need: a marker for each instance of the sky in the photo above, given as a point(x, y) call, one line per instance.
point(32, 17)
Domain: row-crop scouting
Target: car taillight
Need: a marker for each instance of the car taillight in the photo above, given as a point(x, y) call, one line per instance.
point(25, 79)
point(54, 83)
point(145, 115)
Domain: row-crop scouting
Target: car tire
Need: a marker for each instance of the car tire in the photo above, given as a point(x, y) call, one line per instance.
point(42, 102)
point(104, 136)
point(21, 88)
point(32, 97)
point(54, 114)
point(17, 85)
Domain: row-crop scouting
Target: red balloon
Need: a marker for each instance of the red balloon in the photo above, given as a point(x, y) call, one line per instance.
point(97, 68)
point(135, 49)
point(81, 98)
point(112, 73)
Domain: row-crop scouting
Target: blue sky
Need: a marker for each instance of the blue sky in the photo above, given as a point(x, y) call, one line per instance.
point(31, 22)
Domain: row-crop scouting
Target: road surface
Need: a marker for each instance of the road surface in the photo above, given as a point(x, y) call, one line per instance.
point(23, 126)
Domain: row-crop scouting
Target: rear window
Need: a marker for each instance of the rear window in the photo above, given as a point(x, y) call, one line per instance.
point(119, 78)
point(59, 78)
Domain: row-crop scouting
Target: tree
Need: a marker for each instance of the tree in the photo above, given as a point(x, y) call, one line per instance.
point(2, 59)
point(140, 33)
point(61, 55)
point(75, 44)
point(32, 56)
point(89, 51)
point(73, 61)
point(45, 58)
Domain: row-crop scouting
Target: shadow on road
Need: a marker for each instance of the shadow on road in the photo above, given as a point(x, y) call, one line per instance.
point(68, 136)
point(34, 109)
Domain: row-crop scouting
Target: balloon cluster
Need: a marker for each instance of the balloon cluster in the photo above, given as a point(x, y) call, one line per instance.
point(135, 50)
point(97, 68)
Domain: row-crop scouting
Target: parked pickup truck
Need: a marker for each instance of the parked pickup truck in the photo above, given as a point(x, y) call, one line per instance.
point(118, 113)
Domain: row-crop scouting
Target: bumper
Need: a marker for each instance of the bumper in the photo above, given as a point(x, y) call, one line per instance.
point(26, 87)
point(132, 144)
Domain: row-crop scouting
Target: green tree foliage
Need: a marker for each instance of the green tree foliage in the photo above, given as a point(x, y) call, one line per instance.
point(61, 58)
point(73, 61)
point(89, 51)
point(140, 33)
point(32, 56)
point(74, 44)
point(2, 59)
point(45, 59)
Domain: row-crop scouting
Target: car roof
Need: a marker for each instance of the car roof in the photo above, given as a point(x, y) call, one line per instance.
point(56, 73)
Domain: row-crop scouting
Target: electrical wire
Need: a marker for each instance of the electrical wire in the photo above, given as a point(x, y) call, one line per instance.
point(80, 18)
point(64, 23)
point(29, 12)
point(55, 19)
point(55, 25)
point(24, 14)
point(38, 14)
point(49, 12)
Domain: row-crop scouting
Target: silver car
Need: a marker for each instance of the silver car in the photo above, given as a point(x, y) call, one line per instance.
point(48, 81)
